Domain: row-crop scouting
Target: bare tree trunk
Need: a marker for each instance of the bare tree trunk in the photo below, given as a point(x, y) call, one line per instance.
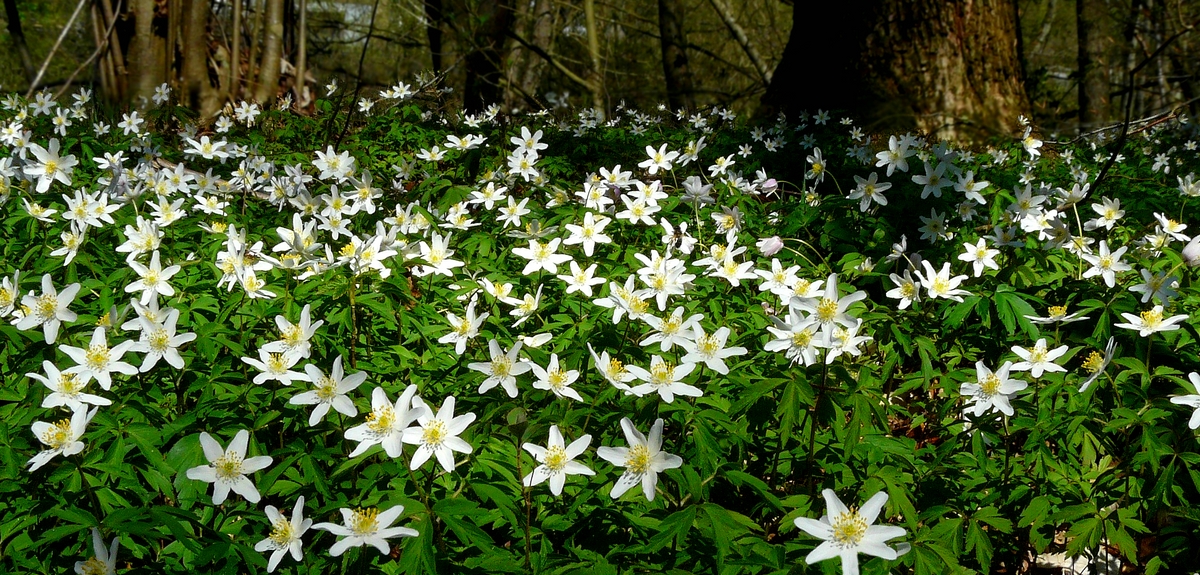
point(147, 53)
point(196, 91)
point(302, 56)
point(593, 38)
point(14, 30)
point(268, 76)
point(678, 76)
point(235, 52)
point(1092, 72)
point(948, 68)
point(483, 62)
point(433, 30)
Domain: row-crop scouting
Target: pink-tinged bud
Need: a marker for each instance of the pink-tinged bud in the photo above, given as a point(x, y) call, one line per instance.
point(770, 246)
point(1191, 252)
point(769, 186)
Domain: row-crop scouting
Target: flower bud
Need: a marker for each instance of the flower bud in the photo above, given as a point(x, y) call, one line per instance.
point(770, 246)
point(1191, 252)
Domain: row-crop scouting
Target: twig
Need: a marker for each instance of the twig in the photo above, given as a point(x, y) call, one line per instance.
point(61, 36)
point(99, 50)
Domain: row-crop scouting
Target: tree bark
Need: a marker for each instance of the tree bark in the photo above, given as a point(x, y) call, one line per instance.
point(272, 52)
point(676, 73)
point(1093, 87)
point(194, 84)
point(433, 30)
point(483, 62)
point(950, 69)
point(14, 30)
point(147, 52)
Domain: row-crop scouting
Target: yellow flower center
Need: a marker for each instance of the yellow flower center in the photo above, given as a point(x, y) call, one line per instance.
point(379, 421)
point(282, 533)
point(556, 458)
point(326, 389)
point(1058, 310)
point(58, 437)
point(159, 340)
point(1152, 317)
point(365, 521)
point(435, 433)
point(501, 366)
point(662, 374)
point(802, 339)
point(93, 566)
point(51, 167)
point(638, 461)
point(1093, 362)
point(827, 310)
point(69, 383)
point(47, 306)
point(276, 363)
point(97, 356)
point(557, 378)
point(989, 385)
point(849, 528)
point(228, 466)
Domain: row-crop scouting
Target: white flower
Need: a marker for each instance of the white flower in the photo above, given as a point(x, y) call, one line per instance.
point(277, 366)
point(1151, 321)
point(992, 391)
point(1095, 363)
point(556, 461)
point(463, 329)
point(502, 369)
point(555, 379)
point(1039, 359)
point(387, 423)
point(99, 360)
point(659, 159)
point(285, 534)
point(906, 290)
point(438, 435)
point(330, 391)
point(67, 388)
point(643, 460)
point(49, 309)
point(105, 560)
point(1106, 264)
point(366, 527)
point(613, 370)
point(940, 284)
point(848, 532)
point(153, 279)
point(980, 256)
point(229, 467)
point(710, 349)
point(159, 341)
point(294, 337)
point(1192, 401)
point(61, 437)
point(664, 378)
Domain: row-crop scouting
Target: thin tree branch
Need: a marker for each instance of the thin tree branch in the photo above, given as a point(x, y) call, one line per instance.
point(62, 35)
point(739, 34)
point(551, 60)
point(99, 50)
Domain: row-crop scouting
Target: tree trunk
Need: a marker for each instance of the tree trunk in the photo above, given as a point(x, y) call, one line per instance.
point(483, 62)
point(1092, 72)
point(433, 29)
point(272, 52)
point(14, 30)
point(147, 52)
point(195, 90)
point(678, 76)
point(950, 69)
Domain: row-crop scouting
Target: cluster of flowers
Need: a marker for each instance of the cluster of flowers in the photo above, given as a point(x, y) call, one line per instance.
point(327, 232)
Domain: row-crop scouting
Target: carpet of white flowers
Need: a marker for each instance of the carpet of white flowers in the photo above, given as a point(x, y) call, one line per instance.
point(378, 338)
